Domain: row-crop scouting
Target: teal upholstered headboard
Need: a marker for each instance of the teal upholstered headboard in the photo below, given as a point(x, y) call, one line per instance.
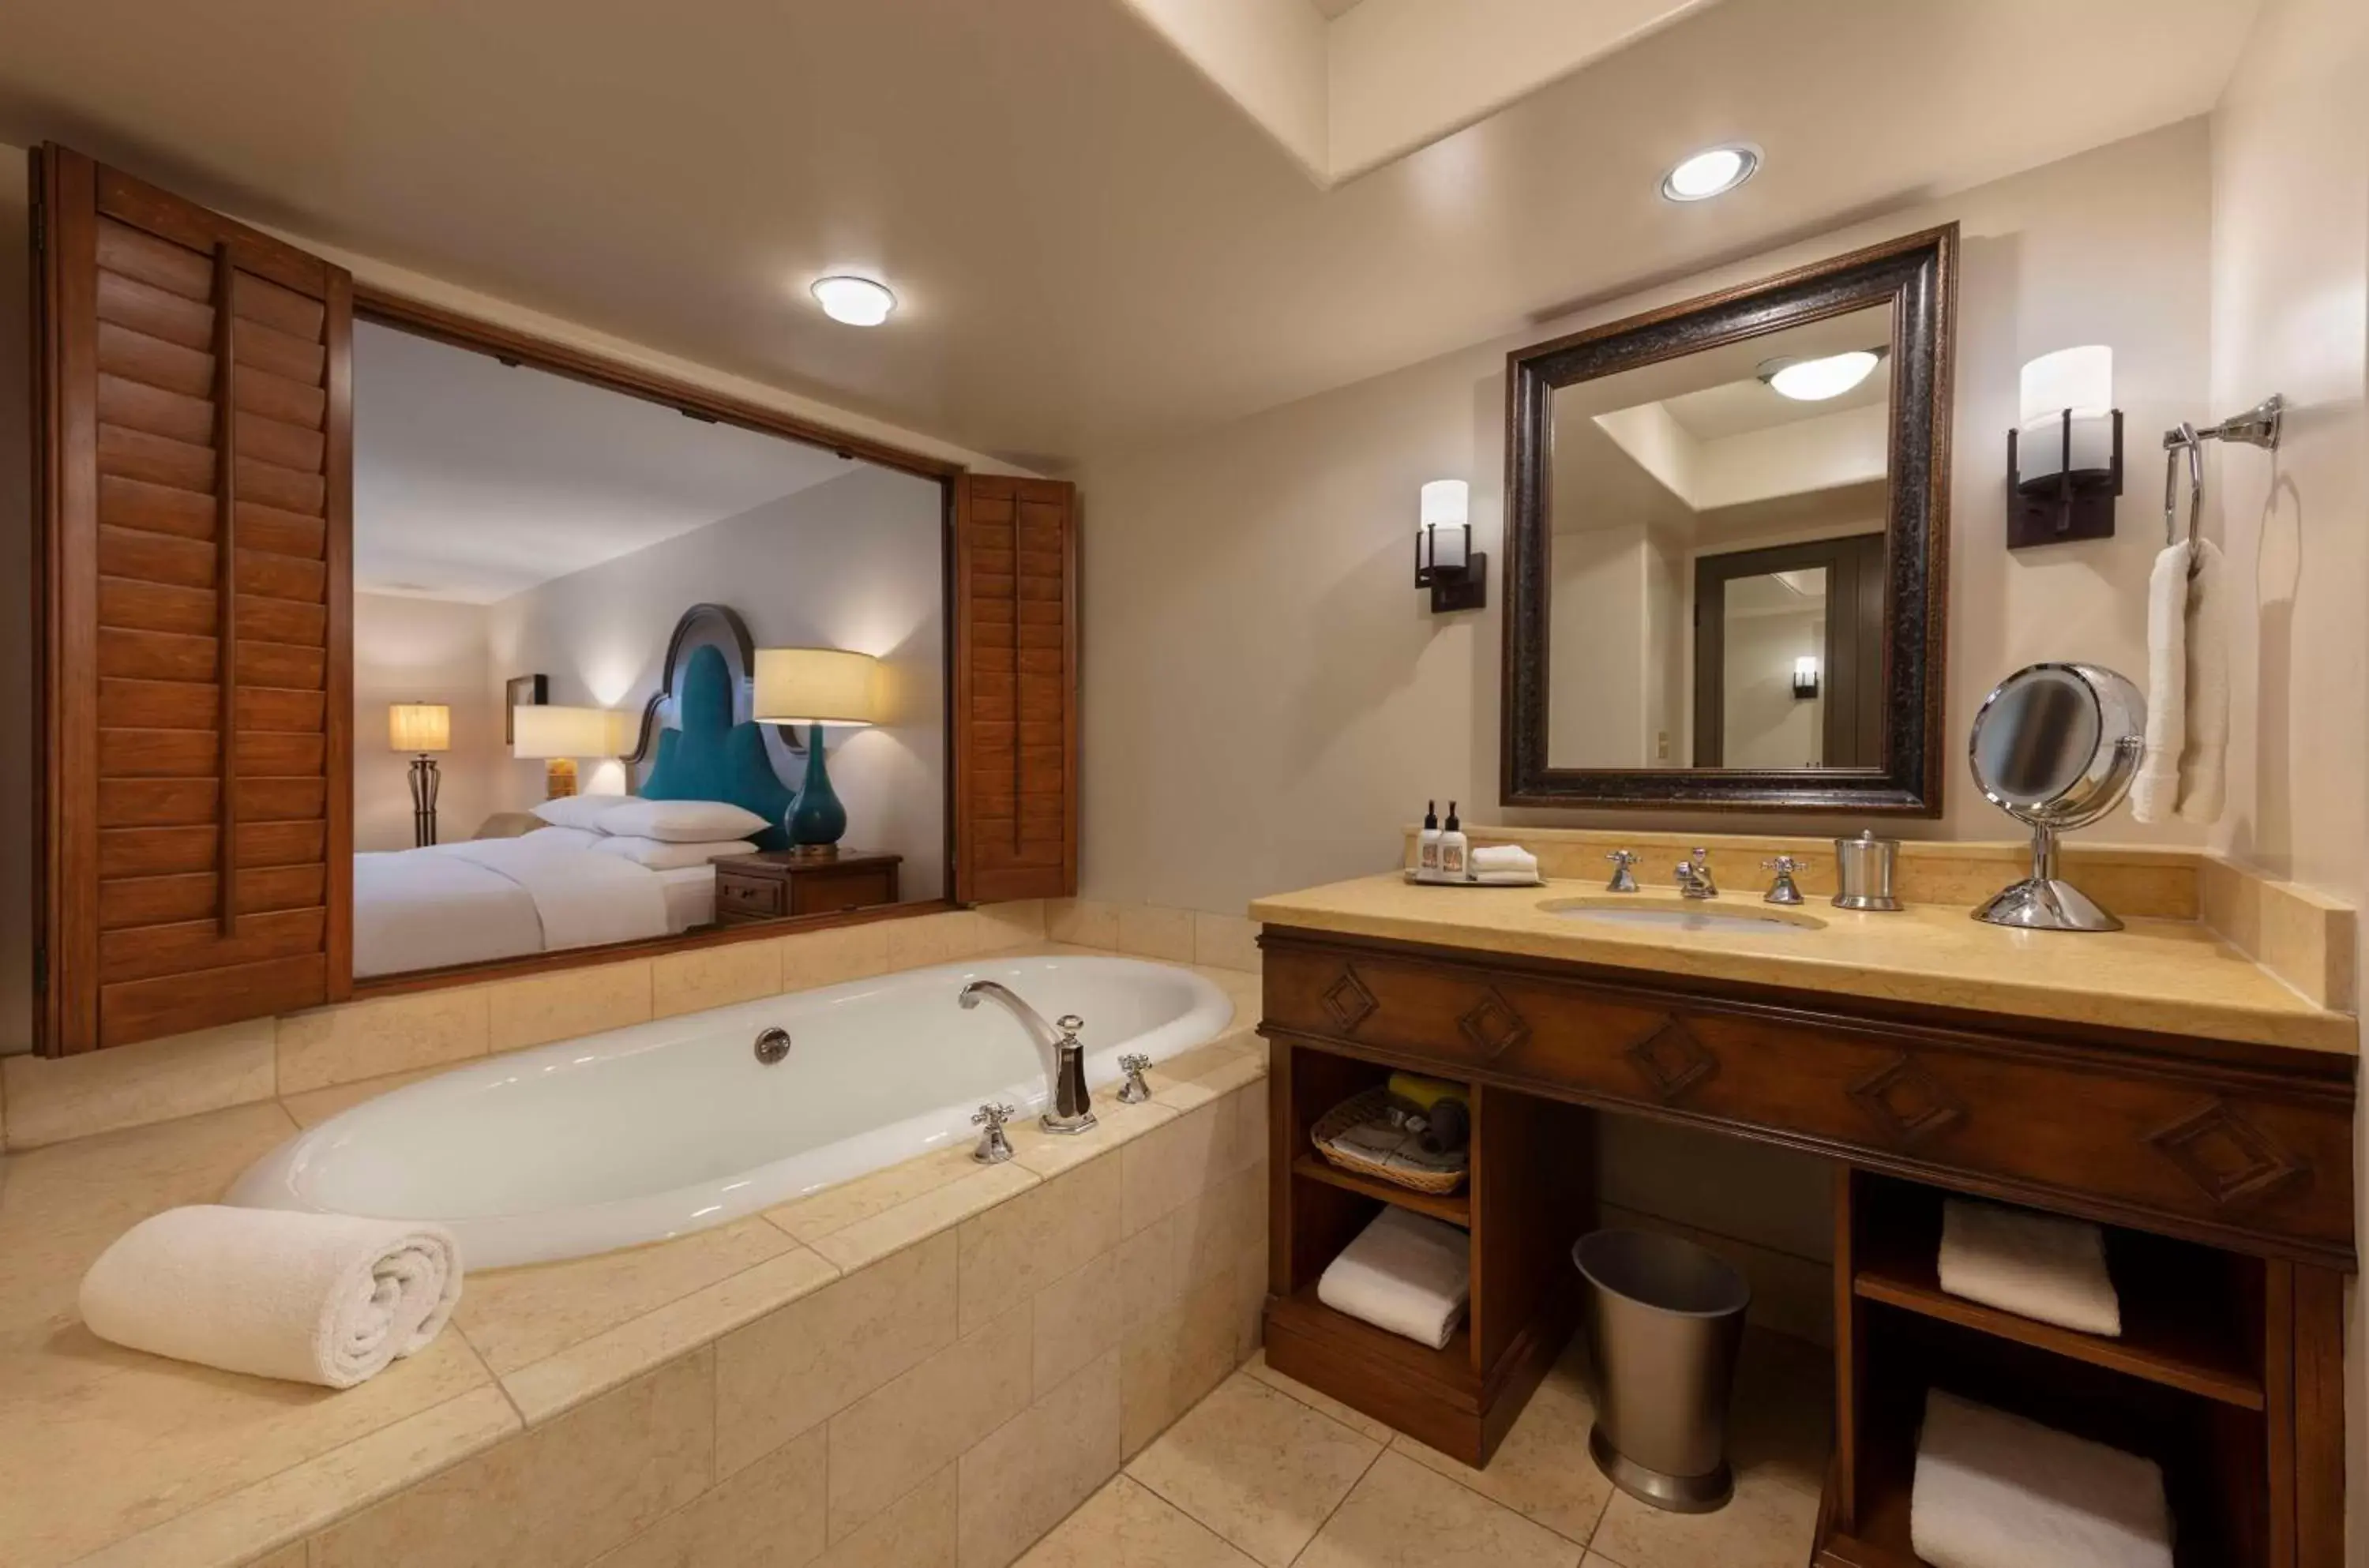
point(706, 755)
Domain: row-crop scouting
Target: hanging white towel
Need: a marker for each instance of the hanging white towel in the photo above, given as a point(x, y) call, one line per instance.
point(2188, 688)
point(1405, 1272)
point(2034, 1265)
point(324, 1299)
point(2203, 760)
point(1996, 1491)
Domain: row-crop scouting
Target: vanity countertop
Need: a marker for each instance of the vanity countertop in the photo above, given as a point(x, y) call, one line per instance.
point(2172, 977)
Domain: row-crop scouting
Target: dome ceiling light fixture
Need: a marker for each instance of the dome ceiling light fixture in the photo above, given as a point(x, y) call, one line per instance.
point(1714, 171)
point(1815, 380)
point(858, 302)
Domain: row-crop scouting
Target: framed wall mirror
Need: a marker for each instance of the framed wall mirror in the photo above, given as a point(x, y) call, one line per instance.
point(1726, 541)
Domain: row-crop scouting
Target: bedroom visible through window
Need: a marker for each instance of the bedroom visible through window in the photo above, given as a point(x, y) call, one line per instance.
point(595, 642)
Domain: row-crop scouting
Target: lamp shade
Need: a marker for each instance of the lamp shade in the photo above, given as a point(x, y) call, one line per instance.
point(419, 726)
point(2080, 380)
point(816, 685)
point(546, 732)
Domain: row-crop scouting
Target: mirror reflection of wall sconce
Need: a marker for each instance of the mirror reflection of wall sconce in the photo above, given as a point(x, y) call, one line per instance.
point(2064, 458)
point(556, 736)
point(1805, 676)
point(1444, 561)
point(421, 727)
point(817, 686)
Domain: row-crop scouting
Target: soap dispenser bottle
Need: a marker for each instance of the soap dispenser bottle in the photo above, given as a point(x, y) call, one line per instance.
point(1427, 853)
point(1453, 847)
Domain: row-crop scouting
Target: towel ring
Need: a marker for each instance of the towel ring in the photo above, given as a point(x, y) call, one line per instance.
point(2258, 426)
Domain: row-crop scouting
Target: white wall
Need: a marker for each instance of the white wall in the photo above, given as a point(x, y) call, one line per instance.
point(1268, 699)
point(856, 563)
point(423, 650)
point(2291, 315)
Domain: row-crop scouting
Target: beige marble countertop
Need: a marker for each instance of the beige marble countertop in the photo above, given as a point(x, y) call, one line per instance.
point(117, 1459)
point(2175, 976)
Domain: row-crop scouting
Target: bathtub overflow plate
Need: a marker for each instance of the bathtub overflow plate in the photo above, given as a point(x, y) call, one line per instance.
point(772, 1045)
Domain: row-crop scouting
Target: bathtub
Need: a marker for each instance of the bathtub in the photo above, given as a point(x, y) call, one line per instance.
point(660, 1129)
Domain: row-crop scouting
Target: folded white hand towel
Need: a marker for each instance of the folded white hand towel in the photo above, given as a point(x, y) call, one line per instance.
point(1996, 1491)
point(2034, 1265)
point(1504, 857)
point(2183, 769)
point(314, 1297)
point(1404, 1272)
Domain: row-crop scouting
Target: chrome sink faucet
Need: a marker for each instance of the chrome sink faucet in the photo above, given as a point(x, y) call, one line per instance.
point(1694, 878)
point(1070, 1109)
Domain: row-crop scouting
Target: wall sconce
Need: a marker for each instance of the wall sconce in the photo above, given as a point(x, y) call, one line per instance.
point(2064, 458)
point(1444, 561)
point(1805, 676)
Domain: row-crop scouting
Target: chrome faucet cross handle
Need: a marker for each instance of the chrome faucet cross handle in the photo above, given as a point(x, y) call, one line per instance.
point(1135, 1091)
point(1623, 879)
point(994, 1148)
point(1782, 890)
point(1694, 877)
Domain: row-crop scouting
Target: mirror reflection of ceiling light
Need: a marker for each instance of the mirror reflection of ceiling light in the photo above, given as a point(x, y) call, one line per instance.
point(858, 302)
point(1815, 380)
point(1714, 171)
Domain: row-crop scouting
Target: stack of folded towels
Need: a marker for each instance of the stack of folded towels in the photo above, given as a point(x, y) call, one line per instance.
point(324, 1299)
point(1405, 1272)
point(1508, 865)
point(2034, 1265)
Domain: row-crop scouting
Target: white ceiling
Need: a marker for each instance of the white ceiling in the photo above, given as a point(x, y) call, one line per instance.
point(475, 480)
point(1093, 245)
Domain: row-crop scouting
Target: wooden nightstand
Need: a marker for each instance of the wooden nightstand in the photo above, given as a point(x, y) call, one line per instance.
point(775, 883)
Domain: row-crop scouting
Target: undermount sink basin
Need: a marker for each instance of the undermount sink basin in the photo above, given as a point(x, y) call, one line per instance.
point(1677, 917)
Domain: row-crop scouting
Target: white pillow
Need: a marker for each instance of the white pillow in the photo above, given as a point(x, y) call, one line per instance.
point(580, 810)
point(681, 821)
point(659, 855)
point(563, 838)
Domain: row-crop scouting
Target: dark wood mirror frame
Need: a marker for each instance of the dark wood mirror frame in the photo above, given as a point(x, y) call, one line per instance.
point(1916, 276)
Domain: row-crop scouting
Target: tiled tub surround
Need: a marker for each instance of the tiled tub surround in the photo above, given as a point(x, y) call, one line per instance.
point(312, 1060)
point(930, 1365)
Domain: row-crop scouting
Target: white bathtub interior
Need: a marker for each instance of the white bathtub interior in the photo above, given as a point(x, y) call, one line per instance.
point(654, 1130)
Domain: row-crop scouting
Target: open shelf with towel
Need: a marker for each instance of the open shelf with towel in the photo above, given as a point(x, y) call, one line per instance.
point(2197, 1381)
point(2186, 1321)
point(1529, 1195)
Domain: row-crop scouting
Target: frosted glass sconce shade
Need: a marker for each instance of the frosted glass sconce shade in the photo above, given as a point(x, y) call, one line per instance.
point(1444, 561)
point(2065, 456)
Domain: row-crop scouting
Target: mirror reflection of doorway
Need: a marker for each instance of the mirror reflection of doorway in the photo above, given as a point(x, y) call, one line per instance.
point(1788, 655)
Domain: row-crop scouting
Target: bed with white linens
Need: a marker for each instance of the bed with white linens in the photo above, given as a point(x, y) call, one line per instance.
point(603, 869)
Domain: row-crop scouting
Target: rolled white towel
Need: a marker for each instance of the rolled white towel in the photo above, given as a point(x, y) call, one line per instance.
point(322, 1298)
point(2035, 1265)
point(1996, 1491)
point(1504, 857)
point(2204, 752)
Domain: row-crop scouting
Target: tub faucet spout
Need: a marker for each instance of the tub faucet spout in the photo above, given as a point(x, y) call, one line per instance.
point(1070, 1107)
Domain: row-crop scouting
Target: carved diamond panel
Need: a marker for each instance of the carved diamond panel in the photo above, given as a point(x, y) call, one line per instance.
point(1348, 1001)
point(1671, 1060)
point(2227, 1157)
point(1493, 1024)
point(1908, 1103)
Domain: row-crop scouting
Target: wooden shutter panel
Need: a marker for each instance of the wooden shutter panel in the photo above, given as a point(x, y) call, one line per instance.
point(1015, 689)
point(196, 694)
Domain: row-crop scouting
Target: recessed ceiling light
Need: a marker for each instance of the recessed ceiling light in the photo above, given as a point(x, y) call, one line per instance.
point(1714, 171)
point(859, 302)
point(1815, 380)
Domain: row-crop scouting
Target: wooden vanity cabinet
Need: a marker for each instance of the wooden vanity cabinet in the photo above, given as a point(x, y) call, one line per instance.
point(2225, 1169)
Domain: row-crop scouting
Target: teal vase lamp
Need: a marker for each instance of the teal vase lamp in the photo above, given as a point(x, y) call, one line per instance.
point(816, 686)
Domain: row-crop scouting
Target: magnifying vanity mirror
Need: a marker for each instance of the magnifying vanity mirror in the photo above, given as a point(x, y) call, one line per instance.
point(1724, 541)
point(2056, 746)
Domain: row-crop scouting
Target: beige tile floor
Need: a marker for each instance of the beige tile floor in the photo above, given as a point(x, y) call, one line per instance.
point(1266, 1470)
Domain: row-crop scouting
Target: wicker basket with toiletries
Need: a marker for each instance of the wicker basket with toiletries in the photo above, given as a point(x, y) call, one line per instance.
point(1413, 1132)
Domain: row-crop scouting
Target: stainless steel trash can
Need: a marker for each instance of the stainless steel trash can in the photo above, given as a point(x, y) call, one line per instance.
point(1664, 1318)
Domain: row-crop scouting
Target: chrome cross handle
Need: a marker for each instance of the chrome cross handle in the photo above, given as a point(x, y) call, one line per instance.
point(1623, 879)
point(1783, 891)
point(994, 1148)
point(1135, 1091)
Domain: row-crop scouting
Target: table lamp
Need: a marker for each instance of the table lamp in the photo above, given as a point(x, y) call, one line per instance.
point(557, 736)
point(816, 686)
